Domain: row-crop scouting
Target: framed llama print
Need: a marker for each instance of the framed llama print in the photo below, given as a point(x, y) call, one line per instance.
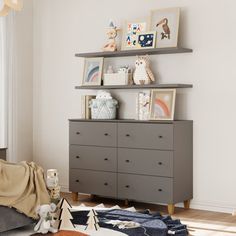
point(166, 23)
point(162, 104)
point(131, 31)
point(93, 71)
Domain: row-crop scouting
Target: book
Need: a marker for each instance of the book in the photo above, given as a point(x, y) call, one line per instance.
point(143, 106)
point(85, 107)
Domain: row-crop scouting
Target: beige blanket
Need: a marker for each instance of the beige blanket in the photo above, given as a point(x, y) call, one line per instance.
point(22, 186)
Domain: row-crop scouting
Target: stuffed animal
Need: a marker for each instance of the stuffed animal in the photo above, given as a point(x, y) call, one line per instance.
point(103, 95)
point(142, 72)
point(46, 219)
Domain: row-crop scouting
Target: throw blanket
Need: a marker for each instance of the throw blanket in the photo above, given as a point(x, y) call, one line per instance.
point(22, 186)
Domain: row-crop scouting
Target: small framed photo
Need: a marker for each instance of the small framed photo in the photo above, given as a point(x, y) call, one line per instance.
point(93, 71)
point(166, 23)
point(131, 31)
point(146, 40)
point(162, 104)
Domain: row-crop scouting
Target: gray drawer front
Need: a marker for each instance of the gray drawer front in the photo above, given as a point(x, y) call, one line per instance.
point(146, 162)
point(97, 134)
point(93, 158)
point(149, 136)
point(93, 182)
point(145, 188)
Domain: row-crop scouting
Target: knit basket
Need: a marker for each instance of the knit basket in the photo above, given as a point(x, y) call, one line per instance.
point(103, 109)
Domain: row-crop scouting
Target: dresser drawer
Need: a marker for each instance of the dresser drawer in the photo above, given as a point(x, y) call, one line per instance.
point(93, 182)
point(149, 136)
point(93, 158)
point(97, 134)
point(146, 162)
point(145, 188)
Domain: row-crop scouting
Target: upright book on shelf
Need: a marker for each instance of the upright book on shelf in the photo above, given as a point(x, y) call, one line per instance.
point(143, 105)
point(85, 103)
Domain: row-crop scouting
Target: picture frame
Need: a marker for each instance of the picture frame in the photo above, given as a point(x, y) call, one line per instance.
point(166, 23)
point(162, 106)
point(93, 68)
point(131, 29)
point(146, 40)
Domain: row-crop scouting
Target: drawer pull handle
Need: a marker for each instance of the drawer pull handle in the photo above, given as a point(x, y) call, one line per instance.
point(77, 181)
point(106, 134)
point(160, 163)
point(127, 135)
point(160, 190)
point(77, 157)
point(160, 136)
point(105, 159)
point(127, 161)
point(127, 186)
point(105, 184)
point(77, 133)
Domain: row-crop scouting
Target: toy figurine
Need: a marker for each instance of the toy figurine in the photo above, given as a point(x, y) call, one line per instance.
point(111, 45)
point(46, 220)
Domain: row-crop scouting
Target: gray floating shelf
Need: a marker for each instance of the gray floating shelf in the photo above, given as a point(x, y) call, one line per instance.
point(128, 53)
point(150, 86)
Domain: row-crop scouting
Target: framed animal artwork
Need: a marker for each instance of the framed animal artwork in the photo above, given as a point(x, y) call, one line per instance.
point(166, 23)
point(93, 71)
point(162, 105)
point(131, 31)
point(146, 40)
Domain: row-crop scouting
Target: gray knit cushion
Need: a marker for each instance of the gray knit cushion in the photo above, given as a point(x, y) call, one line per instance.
point(11, 219)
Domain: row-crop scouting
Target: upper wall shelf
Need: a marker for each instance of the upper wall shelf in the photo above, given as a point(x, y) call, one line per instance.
point(128, 53)
point(149, 86)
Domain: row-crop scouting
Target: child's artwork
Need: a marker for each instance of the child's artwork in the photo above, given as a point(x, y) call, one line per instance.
point(132, 29)
point(146, 40)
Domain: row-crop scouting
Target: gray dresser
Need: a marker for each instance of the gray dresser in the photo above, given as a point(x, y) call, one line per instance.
point(132, 160)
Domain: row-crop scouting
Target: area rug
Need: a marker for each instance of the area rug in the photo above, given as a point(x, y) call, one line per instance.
point(63, 233)
point(150, 224)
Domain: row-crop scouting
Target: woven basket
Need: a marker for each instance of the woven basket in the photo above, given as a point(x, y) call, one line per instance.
point(103, 109)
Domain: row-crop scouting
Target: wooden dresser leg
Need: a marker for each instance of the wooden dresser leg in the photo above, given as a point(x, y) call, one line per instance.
point(126, 202)
point(186, 204)
point(171, 209)
point(74, 196)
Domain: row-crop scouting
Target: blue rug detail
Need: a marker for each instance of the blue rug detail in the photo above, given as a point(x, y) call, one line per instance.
point(153, 224)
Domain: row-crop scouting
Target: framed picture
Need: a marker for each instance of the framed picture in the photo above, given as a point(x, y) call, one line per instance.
point(131, 31)
point(166, 23)
point(162, 104)
point(93, 71)
point(146, 40)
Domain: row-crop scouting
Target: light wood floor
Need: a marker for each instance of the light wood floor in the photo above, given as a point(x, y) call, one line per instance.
point(199, 222)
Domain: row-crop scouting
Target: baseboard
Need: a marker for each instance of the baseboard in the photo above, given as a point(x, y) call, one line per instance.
point(64, 188)
point(198, 205)
point(212, 206)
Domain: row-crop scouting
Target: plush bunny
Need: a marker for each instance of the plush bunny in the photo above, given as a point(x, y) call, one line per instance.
point(46, 219)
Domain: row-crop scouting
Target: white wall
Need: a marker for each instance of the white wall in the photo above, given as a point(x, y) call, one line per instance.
point(20, 141)
point(62, 28)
